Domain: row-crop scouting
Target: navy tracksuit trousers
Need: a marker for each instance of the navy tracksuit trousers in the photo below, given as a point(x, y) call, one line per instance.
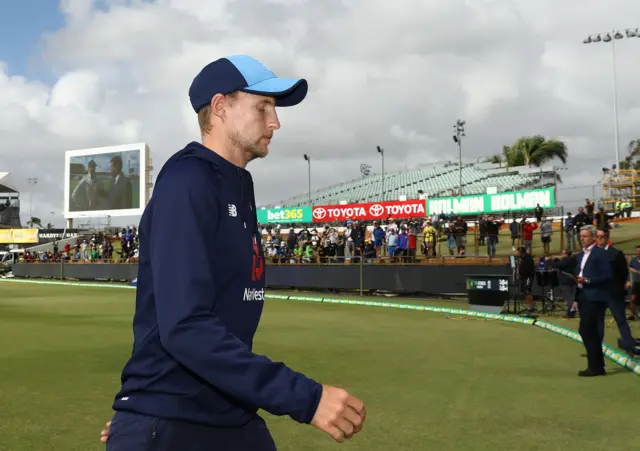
point(134, 432)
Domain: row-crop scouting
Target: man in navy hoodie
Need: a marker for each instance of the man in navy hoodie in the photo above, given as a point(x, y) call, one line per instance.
point(192, 382)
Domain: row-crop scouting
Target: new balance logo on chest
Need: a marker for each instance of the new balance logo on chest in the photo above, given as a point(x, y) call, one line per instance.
point(233, 211)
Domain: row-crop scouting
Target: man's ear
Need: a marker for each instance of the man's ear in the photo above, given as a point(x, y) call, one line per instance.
point(218, 105)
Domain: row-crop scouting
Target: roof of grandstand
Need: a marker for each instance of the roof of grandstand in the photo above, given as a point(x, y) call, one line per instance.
point(6, 184)
point(433, 180)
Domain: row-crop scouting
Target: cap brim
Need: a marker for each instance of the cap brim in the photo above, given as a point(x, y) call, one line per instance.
point(286, 91)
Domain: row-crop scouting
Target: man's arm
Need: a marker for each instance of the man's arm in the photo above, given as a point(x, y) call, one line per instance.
point(603, 270)
point(185, 295)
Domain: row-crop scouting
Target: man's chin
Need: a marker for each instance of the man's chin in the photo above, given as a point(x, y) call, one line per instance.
point(258, 152)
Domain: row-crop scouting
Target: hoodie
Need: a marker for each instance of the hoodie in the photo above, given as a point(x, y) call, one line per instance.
point(196, 314)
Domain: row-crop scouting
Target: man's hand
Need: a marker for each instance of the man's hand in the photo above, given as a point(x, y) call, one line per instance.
point(582, 280)
point(339, 414)
point(104, 434)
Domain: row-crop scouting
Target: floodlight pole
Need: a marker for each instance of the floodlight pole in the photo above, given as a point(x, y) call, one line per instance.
point(615, 105)
point(381, 152)
point(458, 130)
point(32, 181)
point(308, 158)
point(607, 37)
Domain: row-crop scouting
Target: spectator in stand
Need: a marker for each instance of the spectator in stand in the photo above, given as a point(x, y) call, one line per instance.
point(392, 243)
point(412, 244)
point(378, 238)
point(590, 206)
point(538, 213)
point(570, 233)
point(580, 220)
point(602, 220)
point(527, 235)
point(435, 221)
point(403, 239)
point(429, 236)
point(514, 228)
point(546, 229)
point(358, 235)
point(349, 249)
point(493, 233)
point(460, 228)
point(369, 252)
point(67, 248)
point(482, 228)
point(292, 239)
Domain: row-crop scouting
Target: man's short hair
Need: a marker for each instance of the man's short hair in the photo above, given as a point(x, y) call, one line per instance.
point(589, 228)
point(117, 161)
point(204, 114)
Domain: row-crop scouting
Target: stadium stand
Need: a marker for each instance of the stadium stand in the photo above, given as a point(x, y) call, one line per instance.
point(9, 202)
point(434, 180)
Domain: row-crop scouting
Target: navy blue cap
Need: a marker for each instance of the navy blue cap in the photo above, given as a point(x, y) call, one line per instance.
point(247, 74)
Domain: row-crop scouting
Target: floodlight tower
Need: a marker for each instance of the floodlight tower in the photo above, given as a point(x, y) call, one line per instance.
point(458, 133)
point(308, 158)
point(612, 37)
point(381, 152)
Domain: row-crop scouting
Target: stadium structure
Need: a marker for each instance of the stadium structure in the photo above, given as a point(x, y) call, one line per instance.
point(9, 202)
point(429, 181)
point(621, 185)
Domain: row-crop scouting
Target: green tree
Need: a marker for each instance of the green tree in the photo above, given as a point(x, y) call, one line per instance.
point(632, 160)
point(34, 222)
point(534, 151)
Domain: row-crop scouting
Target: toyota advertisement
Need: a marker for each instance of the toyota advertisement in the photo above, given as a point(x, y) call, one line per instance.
point(370, 211)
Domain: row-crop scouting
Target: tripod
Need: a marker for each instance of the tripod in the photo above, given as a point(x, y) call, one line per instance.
point(515, 293)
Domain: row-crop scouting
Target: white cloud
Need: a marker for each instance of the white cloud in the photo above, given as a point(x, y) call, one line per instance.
point(396, 74)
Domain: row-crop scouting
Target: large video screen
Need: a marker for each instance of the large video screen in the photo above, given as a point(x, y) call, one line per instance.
point(106, 181)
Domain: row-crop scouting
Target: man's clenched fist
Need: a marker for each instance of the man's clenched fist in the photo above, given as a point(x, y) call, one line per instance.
point(339, 414)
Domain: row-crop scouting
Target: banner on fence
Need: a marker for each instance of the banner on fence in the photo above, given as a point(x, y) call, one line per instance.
point(284, 215)
point(493, 203)
point(370, 211)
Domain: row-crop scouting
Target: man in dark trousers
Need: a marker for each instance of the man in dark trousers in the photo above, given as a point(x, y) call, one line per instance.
point(593, 279)
point(192, 382)
point(618, 292)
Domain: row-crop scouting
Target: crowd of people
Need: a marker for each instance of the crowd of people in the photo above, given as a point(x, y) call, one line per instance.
point(98, 248)
point(408, 240)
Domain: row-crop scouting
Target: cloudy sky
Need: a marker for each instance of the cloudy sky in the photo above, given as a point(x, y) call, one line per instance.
point(76, 74)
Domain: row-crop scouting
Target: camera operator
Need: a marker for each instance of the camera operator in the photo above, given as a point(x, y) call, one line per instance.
point(526, 271)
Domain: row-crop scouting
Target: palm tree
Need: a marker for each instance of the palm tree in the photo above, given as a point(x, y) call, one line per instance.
point(34, 222)
point(534, 151)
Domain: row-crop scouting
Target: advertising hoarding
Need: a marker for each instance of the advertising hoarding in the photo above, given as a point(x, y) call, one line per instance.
point(19, 236)
point(493, 203)
point(106, 181)
point(370, 211)
point(284, 215)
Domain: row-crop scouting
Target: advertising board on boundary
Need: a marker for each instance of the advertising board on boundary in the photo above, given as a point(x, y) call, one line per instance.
point(493, 203)
point(370, 211)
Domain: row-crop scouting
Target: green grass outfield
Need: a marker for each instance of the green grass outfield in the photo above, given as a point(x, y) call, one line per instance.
point(430, 382)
